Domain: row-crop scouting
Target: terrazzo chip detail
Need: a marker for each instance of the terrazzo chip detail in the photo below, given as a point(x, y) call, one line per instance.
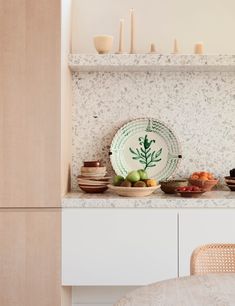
point(199, 106)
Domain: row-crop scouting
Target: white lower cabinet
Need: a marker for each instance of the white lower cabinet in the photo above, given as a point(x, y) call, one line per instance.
point(118, 247)
point(132, 247)
point(202, 226)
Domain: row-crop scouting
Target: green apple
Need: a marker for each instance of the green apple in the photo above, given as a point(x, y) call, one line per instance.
point(143, 174)
point(117, 180)
point(133, 176)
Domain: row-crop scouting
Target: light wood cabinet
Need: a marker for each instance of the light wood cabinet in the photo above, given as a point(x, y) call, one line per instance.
point(30, 153)
point(118, 247)
point(30, 257)
point(30, 103)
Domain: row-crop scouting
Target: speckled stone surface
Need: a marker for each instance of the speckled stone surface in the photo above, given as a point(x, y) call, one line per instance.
point(213, 199)
point(198, 106)
point(151, 62)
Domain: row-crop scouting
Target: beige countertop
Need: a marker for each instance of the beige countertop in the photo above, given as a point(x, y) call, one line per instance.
point(213, 199)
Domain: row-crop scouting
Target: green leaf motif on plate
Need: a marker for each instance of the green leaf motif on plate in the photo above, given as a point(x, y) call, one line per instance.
point(144, 153)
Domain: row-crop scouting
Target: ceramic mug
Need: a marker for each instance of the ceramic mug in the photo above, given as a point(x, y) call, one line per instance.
point(103, 43)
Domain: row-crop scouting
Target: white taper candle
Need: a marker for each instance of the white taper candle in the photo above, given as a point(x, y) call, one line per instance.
point(121, 37)
point(132, 48)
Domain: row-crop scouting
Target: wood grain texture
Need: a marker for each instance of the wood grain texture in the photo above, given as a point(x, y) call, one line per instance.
point(66, 296)
point(29, 103)
point(208, 290)
point(30, 257)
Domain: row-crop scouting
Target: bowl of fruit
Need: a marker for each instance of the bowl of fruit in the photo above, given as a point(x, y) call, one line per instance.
point(136, 184)
point(205, 180)
point(190, 191)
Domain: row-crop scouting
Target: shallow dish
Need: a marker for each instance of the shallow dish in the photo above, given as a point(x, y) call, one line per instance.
point(92, 183)
point(93, 170)
point(191, 194)
point(133, 191)
point(205, 185)
point(98, 175)
point(170, 186)
point(94, 178)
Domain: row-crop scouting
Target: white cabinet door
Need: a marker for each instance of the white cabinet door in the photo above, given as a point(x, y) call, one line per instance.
point(118, 246)
point(198, 227)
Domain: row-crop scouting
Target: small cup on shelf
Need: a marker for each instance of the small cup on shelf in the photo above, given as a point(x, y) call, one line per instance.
point(103, 43)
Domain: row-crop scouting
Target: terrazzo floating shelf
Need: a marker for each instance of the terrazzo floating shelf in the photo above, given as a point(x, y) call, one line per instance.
point(150, 62)
point(213, 199)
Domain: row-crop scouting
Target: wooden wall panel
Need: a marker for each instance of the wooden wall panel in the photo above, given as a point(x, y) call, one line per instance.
point(30, 257)
point(29, 103)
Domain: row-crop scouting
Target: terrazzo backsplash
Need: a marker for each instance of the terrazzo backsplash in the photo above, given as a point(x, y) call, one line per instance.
point(198, 106)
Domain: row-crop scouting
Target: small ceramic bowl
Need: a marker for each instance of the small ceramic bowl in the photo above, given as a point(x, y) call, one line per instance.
point(171, 185)
point(103, 43)
point(229, 180)
point(205, 185)
point(93, 189)
point(92, 163)
point(191, 194)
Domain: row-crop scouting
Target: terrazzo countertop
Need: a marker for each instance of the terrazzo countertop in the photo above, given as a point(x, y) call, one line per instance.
point(213, 199)
point(151, 62)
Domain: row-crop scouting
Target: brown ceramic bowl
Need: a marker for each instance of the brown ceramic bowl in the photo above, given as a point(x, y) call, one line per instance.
point(229, 180)
point(205, 185)
point(231, 187)
point(93, 189)
point(92, 163)
point(171, 185)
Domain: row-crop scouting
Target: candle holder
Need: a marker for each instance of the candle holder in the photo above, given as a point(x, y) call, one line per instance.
point(199, 48)
point(175, 47)
point(152, 49)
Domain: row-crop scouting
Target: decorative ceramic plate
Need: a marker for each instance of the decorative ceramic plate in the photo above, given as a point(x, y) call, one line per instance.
point(145, 144)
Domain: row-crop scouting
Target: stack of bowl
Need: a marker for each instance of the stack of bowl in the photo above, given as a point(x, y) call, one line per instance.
point(230, 182)
point(93, 177)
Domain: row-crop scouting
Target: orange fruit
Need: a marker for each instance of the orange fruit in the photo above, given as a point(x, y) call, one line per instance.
point(203, 173)
point(194, 177)
point(204, 177)
point(151, 183)
point(210, 176)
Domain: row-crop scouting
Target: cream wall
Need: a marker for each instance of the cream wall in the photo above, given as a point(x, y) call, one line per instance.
point(66, 95)
point(210, 21)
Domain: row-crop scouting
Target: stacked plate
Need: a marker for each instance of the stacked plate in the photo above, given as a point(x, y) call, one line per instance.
point(230, 182)
point(93, 172)
point(92, 178)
